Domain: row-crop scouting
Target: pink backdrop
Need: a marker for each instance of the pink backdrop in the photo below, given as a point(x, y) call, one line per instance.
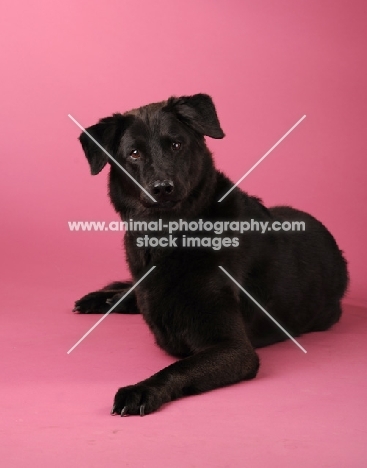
point(265, 63)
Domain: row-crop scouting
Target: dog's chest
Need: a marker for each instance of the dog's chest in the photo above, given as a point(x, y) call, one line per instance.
point(171, 330)
point(162, 301)
point(140, 259)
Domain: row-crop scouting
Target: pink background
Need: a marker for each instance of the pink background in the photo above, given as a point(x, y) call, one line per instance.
point(265, 64)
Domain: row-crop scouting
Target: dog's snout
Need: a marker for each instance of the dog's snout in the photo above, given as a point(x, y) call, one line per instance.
point(163, 188)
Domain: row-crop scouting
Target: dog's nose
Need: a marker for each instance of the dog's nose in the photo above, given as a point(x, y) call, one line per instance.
point(163, 188)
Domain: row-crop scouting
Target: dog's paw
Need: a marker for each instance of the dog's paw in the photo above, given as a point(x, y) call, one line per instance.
point(142, 398)
point(94, 302)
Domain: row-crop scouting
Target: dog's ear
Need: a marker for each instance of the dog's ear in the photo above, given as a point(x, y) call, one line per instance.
point(197, 111)
point(107, 132)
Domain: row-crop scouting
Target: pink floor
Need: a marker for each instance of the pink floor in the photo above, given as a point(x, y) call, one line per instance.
point(303, 410)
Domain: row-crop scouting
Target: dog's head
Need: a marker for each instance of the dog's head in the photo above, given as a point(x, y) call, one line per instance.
point(161, 146)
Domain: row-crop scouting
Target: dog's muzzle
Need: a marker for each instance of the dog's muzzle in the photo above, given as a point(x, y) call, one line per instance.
point(163, 191)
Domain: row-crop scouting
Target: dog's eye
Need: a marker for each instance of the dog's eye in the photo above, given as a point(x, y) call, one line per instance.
point(175, 145)
point(135, 154)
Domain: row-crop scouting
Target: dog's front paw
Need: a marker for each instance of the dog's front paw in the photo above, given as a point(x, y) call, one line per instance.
point(94, 302)
point(142, 398)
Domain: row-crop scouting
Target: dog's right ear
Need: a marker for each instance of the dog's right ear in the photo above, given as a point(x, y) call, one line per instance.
point(107, 132)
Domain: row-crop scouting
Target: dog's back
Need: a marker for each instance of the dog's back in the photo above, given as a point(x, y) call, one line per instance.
point(302, 282)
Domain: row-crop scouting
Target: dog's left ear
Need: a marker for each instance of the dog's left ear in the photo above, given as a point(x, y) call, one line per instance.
point(198, 112)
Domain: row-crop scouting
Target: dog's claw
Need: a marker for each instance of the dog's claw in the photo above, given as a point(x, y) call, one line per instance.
point(124, 411)
point(113, 410)
point(142, 408)
point(76, 309)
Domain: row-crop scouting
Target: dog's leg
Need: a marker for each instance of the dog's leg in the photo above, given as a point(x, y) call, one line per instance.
point(101, 301)
point(221, 364)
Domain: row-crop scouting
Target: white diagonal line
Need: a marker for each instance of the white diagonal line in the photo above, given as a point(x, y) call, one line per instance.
point(262, 308)
point(105, 315)
point(262, 159)
point(113, 159)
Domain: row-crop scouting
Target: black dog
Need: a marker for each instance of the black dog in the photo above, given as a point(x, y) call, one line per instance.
point(194, 310)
